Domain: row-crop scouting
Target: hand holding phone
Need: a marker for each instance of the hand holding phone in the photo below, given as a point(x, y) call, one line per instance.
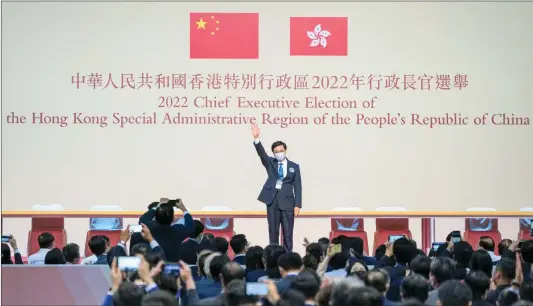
point(128, 263)
point(393, 238)
point(171, 268)
point(135, 228)
point(6, 238)
point(334, 249)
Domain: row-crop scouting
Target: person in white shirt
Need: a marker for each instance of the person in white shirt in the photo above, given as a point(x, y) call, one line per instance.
point(487, 243)
point(46, 243)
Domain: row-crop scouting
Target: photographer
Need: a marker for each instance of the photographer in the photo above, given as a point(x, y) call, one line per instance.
point(169, 236)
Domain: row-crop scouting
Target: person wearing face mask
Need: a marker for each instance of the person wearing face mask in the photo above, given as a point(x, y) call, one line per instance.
point(282, 191)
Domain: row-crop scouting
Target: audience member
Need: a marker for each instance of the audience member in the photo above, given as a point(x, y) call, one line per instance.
point(379, 279)
point(221, 245)
point(6, 252)
point(308, 283)
point(454, 293)
point(228, 271)
point(487, 243)
point(416, 287)
point(192, 246)
point(442, 269)
point(71, 252)
point(420, 265)
point(168, 235)
point(503, 277)
point(290, 265)
point(255, 267)
point(462, 253)
point(92, 259)
point(98, 246)
point(481, 261)
point(54, 257)
point(310, 262)
point(270, 258)
point(479, 283)
point(46, 243)
point(526, 291)
point(212, 286)
point(239, 245)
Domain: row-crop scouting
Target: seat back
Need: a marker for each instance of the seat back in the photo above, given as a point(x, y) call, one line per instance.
point(472, 233)
point(98, 223)
point(349, 227)
point(54, 226)
point(219, 227)
point(386, 227)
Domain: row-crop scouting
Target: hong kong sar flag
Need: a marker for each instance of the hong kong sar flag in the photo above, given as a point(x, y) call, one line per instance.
point(315, 36)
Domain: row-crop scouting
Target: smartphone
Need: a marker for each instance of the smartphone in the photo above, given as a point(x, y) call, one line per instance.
point(128, 263)
point(456, 236)
point(172, 269)
point(436, 245)
point(135, 228)
point(393, 238)
point(172, 202)
point(256, 289)
point(336, 248)
point(6, 238)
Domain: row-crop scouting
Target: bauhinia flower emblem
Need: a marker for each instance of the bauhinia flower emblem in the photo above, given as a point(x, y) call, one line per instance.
point(318, 36)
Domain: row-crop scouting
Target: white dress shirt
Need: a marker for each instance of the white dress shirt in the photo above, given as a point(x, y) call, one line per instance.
point(38, 258)
point(89, 260)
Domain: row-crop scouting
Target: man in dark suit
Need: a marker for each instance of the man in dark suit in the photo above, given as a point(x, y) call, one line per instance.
point(230, 272)
point(290, 265)
point(168, 235)
point(282, 191)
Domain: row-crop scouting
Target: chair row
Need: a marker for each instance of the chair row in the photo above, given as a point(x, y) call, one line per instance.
point(224, 227)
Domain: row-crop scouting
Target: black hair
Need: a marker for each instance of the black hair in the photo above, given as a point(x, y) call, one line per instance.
point(454, 293)
point(221, 245)
point(415, 286)
point(254, 258)
point(481, 261)
point(216, 265)
point(97, 244)
point(420, 265)
point(338, 261)
point(277, 144)
point(478, 282)
point(6, 255)
point(487, 243)
point(527, 251)
point(45, 240)
point(71, 251)
point(54, 257)
point(526, 291)
point(160, 298)
point(504, 245)
point(307, 282)
point(238, 243)
point(314, 249)
point(378, 279)
point(198, 229)
point(506, 267)
point(442, 269)
point(271, 255)
point(462, 252)
point(164, 214)
point(310, 262)
point(290, 261)
point(404, 251)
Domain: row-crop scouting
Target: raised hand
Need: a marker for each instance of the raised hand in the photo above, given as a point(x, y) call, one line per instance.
point(255, 131)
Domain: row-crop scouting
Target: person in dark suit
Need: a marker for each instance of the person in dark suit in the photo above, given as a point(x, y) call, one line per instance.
point(290, 265)
point(192, 246)
point(239, 245)
point(231, 272)
point(282, 191)
point(212, 286)
point(168, 235)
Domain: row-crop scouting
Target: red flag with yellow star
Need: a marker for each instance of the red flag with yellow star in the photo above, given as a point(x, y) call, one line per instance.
point(224, 35)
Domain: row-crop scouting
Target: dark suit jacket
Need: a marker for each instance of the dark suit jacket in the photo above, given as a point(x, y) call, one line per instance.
point(189, 251)
point(291, 190)
point(208, 288)
point(194, 300)
point(101, 260)
point(284, 284)
point(169, 237)
point(240, 259)
point(254, 275)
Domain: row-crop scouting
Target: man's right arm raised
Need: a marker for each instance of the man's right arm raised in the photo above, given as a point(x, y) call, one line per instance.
point(259, 147)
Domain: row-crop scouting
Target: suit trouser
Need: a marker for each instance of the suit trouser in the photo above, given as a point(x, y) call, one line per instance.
point(277, 217)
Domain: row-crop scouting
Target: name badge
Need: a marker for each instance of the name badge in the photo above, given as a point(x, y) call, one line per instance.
point(279, 183)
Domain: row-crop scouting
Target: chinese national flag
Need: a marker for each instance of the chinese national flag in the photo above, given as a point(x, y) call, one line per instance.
point(317, 36)
point(224, 35)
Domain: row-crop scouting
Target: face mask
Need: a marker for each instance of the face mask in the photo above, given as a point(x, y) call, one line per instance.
point(280, 156)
